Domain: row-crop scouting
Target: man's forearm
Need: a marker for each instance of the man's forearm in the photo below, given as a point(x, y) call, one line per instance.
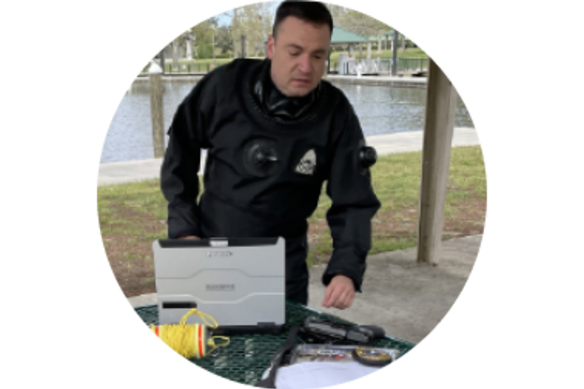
point(183, 221)
point(351, 233)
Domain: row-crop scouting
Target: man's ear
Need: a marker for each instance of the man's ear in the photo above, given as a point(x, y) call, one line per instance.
point(270, 48)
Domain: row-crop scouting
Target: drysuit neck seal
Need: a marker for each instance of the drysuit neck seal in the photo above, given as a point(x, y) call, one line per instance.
point(275, 103)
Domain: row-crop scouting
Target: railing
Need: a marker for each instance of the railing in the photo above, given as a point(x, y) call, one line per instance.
point(186, 68)
point(351, 67)
point(412, 64)
point(189, 68)
point(367, 66)
point(380, 65)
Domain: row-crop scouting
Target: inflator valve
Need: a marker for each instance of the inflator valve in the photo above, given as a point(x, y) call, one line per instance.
point(367, 156)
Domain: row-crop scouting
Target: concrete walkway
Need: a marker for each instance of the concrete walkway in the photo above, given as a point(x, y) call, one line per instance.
point(121, 172)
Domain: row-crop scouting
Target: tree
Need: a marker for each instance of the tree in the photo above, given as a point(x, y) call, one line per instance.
point(213, 25)
point(213, 22)
point(253, 21)
point(203, 38)
point(361, 24)
point(176, 48)
point(223, 39)
point(336, 11)
point(267, 20)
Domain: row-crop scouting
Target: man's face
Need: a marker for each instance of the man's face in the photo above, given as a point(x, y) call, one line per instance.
point(298, 55)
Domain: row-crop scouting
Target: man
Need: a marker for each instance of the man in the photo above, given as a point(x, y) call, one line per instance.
point(274, 132)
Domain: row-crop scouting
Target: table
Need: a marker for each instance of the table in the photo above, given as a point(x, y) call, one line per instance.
point(248, 356)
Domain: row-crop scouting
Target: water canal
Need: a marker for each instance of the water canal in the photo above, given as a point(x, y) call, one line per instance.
point(381, 110)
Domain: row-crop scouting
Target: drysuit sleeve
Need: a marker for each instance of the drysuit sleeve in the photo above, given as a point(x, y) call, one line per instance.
point(353, 205)
point(179, 178)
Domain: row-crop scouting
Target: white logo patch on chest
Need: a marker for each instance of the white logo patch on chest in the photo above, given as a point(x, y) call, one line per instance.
point(307, 163)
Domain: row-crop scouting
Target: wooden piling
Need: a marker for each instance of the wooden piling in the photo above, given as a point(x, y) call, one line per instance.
point(156, 110)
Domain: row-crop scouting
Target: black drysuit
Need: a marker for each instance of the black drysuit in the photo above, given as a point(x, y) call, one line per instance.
point(244, 197)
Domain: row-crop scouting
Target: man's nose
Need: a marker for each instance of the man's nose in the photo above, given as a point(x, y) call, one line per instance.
point(306, 64)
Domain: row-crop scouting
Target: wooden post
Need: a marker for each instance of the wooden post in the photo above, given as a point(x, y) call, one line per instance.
point(394, 54)
point(439, 127)
point(156, 110)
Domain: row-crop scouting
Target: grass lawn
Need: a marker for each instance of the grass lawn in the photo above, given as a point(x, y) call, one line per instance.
point(133, 215)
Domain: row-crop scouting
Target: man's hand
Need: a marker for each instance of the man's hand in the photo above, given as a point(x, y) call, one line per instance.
point(339, 293)
point(189, 237)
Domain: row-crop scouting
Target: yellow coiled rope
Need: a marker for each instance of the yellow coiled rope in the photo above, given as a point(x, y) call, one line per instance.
point(190, 340)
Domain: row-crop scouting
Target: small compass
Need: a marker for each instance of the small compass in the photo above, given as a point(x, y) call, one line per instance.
point(372, 356)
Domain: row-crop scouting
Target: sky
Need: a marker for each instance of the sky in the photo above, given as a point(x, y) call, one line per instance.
point(225, 20)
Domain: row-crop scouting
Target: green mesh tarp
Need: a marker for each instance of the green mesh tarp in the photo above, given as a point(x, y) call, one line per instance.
point(246, 357)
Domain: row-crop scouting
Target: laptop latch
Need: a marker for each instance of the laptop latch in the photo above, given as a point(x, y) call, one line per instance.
point(218, 242)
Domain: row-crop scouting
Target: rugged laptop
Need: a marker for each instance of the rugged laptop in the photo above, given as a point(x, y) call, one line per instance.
point(238, 281)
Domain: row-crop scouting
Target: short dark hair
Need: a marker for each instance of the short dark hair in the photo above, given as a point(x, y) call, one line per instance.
point(309, 11)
